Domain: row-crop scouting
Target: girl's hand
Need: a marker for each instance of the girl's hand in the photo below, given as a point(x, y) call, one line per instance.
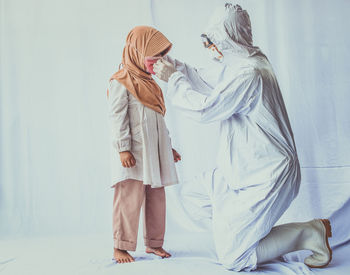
point(127, 159)
point(176, 155)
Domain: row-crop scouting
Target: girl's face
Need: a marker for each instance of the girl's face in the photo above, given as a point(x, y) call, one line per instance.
point(150, 60)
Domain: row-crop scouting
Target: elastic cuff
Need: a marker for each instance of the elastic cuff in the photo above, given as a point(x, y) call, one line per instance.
point(124, 245)
point(153, 243)
point(174, 76)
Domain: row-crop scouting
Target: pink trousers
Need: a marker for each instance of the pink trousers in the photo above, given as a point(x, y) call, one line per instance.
point(129, 197)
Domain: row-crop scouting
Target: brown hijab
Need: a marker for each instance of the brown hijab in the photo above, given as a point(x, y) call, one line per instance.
point(142, 41)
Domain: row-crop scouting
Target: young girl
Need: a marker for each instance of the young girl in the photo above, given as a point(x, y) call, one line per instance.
point(142, 156)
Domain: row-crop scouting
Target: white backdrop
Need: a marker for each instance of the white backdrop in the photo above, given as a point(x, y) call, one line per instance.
point(56, 58)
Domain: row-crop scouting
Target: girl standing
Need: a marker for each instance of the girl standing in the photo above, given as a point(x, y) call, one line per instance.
point(142, 155)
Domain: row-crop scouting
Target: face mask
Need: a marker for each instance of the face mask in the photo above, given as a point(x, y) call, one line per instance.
point(211, 48)
point(149, 62)
point(214, 53)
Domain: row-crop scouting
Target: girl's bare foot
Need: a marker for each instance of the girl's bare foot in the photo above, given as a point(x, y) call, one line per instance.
point(122, 256)
point(159, 251)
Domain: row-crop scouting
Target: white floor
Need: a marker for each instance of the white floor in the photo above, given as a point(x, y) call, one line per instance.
point(192, 254)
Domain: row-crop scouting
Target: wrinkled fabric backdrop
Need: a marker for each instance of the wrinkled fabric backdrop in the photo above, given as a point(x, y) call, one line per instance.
point(56, 59)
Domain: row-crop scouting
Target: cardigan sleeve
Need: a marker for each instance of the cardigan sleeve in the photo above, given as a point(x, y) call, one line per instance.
point(119, 118)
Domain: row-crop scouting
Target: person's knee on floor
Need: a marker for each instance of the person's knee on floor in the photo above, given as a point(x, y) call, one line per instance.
point(286, 238)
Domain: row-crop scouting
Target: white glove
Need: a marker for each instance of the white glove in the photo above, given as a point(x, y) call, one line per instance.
point(163, 69)
point(168, 58)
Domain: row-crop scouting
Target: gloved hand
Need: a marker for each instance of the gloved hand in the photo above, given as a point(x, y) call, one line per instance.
point(169, 59)
point(163, 69)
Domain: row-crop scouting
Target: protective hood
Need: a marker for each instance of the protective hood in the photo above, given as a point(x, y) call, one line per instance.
point(230, 30)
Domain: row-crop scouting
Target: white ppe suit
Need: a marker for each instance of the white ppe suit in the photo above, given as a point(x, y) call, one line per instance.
point(258, 173)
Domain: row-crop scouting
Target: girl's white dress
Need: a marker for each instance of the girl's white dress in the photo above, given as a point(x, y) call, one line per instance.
point(141, 130)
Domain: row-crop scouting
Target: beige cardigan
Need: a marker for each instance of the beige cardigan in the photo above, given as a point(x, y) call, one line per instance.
point(139, 129)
